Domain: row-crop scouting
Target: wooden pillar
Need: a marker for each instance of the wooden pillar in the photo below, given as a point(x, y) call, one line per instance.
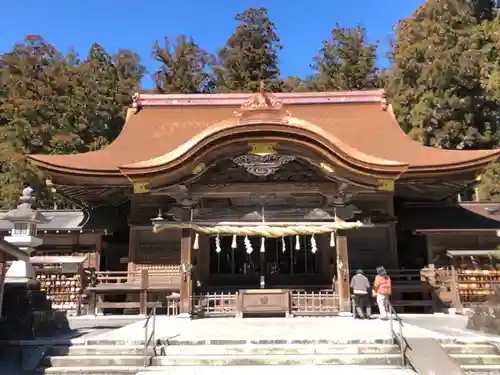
point(2, 280)
point(343, 272)
point(143, 299)
point(430, 251)
point(98, 251)
point(393, 246)
point(186, 285)
point(132, 249)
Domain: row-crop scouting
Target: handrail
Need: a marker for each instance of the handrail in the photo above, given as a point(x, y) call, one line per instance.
point(151, 337)
point(398, 337)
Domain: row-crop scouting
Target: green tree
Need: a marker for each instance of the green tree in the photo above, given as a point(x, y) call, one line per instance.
point(55, 103)
point(34, 88)
point(347, 61)
point(297, 84)
point(436, 82)
point(249, 56)
point(183, 67)
point(489, 187)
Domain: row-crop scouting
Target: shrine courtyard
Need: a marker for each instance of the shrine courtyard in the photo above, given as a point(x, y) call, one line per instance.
point(271, 329)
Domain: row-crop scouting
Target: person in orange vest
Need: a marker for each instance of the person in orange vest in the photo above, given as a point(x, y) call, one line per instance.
point(382, 289)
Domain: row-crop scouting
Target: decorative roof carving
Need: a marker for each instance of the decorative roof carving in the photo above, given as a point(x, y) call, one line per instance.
point(262, 165)
point(384, 102)
point(135, 100)
point(261, 101)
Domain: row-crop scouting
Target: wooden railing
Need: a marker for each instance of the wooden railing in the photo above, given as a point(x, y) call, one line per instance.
point(315, 303)
point(397, 275)
point(141, 285)
point(166, 276)
point(215, 304)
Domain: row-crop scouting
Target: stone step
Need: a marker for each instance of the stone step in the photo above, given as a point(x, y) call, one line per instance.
point(470, 349)
point(271, 359)
point(481, 369)
point(265, 370)
point(91, 370)
point(278, 349)
point(96, 360)
point(216, 341)
point(80, 350)
point(475, 359)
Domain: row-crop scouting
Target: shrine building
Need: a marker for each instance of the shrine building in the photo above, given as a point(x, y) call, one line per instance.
point(272, 193)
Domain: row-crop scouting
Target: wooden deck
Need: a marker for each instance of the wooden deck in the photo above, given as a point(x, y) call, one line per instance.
point(140, 284)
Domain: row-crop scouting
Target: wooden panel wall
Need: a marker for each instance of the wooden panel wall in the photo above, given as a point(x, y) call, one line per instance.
point(370, 248)
point(154, 250)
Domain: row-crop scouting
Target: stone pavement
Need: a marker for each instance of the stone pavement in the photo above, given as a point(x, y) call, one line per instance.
point(264, 370)
point(324, 328)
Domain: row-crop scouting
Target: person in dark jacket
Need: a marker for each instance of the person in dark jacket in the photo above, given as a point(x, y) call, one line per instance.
point(360, 290)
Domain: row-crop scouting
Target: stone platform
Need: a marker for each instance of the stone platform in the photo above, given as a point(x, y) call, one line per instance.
point(261, 330)
point(264, 370)
point(225, 345)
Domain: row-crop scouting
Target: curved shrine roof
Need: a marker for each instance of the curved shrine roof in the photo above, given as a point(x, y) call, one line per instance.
point(361, 123)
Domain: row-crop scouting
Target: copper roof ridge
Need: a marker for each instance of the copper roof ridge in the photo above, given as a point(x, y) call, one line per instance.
point(145, 100)
point(39, 161)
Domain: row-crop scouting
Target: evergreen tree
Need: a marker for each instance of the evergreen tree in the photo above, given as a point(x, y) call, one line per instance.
point(346, 61)
point(183, 67)
point(297, 84)
point(54, 103)
point(436, 80)
point(489, 187)
point(34, 88)
point(249, 56)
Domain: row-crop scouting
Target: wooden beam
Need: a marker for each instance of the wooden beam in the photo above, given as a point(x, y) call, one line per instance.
point(3, 271)
point(343, 272)
point(243, 189)
point(186, 287)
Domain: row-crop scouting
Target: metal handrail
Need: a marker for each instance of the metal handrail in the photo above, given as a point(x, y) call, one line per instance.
point(398, 337)
point(148, 338)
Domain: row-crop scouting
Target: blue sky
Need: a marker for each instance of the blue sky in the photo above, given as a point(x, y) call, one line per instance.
point(302, 25)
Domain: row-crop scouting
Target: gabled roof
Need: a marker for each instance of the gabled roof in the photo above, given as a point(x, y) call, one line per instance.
point(162, 128)
point(61, 220)
point(444, 217)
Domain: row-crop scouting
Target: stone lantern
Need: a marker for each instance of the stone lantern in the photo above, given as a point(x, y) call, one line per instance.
point(25, 220)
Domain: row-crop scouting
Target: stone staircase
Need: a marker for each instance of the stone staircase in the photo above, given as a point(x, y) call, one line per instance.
point(95, 358)
point(474, 357)
point(117, 358)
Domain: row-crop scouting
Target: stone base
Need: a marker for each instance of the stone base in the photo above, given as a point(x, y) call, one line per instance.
point(485, 319)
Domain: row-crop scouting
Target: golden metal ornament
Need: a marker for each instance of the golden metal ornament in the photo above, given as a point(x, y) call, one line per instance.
point(386, 185)
point(262, 149)
point(140, 187)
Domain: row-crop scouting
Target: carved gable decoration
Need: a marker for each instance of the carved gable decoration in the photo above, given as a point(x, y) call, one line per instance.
point(262, 103)
point(227, 171)
point(262, 165)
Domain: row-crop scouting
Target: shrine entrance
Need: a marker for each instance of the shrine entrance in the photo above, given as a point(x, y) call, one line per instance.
point(257, 262)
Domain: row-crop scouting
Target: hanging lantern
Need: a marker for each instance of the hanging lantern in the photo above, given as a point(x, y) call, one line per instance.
point(248, 245)
point(314, 246)
point(218, 249)
point(196, 244)
point(283, 244)
point(332, 239)
point(263, 245)
point(234, 244)
point(297, 242)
